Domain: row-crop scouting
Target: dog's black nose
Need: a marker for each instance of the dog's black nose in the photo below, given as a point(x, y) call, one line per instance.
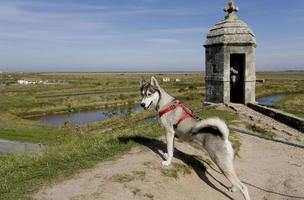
point(143, 105)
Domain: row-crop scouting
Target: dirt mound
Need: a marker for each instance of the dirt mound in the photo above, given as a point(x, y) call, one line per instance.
point(270, 171)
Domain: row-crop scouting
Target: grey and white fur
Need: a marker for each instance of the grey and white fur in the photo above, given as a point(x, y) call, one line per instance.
point(211, 133)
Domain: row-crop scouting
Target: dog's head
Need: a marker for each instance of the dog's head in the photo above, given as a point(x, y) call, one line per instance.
point(150, 91)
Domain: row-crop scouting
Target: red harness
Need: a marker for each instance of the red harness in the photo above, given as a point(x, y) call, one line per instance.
point(188, 112)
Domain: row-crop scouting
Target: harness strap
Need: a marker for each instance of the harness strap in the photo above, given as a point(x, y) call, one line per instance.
point(185, 116)
point(188, 112)
point(169, 109)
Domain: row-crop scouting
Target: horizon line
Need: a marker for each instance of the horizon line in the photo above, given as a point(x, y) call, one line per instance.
point(137, 72)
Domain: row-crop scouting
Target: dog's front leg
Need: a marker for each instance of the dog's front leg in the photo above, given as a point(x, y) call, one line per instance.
point(170, 146)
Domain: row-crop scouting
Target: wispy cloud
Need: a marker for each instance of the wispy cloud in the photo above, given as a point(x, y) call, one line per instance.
point(175, 31)
point(41, 20)
point(164, 41)
point(97, 33)
point(29, 25)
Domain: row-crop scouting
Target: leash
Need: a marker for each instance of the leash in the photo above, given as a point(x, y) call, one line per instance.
point(259, 135)
point(233, 128)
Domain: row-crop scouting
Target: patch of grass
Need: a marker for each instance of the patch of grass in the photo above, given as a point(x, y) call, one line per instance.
point(149, 196)
point(139, 174)
point(7, 102)
point(293, 104)
point(147, 163)
point(280, 83)
point(135, 191)
point(289, 83)
point(122, 178)
point(35, 134)
point(120, 122)
point(213, 112)
point(17, 129)
point(175, 170)
point(21, 175)
point(260, 130)
point(236, 143)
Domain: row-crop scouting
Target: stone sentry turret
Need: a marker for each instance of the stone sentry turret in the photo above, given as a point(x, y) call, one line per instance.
point(230, 60)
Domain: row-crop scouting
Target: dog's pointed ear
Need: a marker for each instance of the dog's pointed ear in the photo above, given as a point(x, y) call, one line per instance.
point(142, 82)
point(154, 82)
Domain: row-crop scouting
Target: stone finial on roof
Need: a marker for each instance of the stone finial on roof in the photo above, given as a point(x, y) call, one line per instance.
point(230, 9)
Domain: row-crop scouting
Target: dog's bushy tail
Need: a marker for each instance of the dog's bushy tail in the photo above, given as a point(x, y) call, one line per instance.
point(215, 123)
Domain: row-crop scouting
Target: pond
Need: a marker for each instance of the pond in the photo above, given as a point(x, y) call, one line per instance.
point(85, 117)
point(270, 100)
point(7, 146)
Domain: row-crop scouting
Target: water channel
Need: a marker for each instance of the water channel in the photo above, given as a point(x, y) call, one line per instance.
point(85, 117)
point(82, 117)
point(270, 100)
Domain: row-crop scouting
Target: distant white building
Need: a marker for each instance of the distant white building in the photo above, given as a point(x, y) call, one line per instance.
point(30, 81)
point(166, 79)
point(177, 80)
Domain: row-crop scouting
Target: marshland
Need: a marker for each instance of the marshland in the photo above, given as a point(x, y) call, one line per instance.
point(70, 147)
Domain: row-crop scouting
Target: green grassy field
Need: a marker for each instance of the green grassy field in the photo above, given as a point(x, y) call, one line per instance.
point(84, 91)
point(293, 103)
point(75, 147)
point(22, 174)
point(73, 92)
point(280, 83)
point(289, 83)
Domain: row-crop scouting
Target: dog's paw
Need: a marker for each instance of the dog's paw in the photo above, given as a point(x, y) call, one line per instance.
point(166, 163)
point(166, 156)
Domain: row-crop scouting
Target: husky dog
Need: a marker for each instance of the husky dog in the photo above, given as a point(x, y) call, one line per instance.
point(211, 133)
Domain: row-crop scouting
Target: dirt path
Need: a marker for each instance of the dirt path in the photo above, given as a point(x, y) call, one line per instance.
point(271, 171)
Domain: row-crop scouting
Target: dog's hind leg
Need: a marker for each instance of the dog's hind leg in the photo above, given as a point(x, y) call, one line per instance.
point(236, 184)
point(224, 160)
point(220, 150)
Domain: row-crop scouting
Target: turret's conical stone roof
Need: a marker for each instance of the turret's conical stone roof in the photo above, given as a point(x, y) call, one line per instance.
point(230, 32)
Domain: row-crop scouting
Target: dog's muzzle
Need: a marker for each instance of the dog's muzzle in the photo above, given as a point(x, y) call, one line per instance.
point(146, 107)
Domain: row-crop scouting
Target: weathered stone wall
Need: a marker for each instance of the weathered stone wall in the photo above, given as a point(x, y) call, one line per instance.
point(214, 91)
point(280, 116)
point(218, 72)
point(214, 74)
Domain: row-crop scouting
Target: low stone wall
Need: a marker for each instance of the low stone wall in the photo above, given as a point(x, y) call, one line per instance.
point(280, 116)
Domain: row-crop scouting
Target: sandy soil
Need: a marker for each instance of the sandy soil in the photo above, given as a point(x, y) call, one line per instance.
point(271, 171)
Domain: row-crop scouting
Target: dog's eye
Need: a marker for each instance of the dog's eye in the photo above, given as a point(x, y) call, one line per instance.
point(149, 95)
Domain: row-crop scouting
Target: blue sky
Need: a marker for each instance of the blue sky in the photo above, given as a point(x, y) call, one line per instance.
point(144, 35)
